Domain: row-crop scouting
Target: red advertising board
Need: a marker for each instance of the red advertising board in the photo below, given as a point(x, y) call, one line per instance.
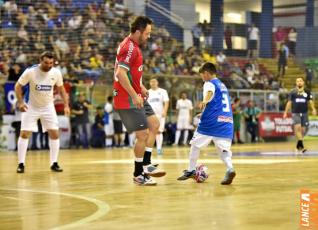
point(274, 125)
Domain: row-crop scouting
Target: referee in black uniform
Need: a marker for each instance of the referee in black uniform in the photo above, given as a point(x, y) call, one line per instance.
point(298, 102)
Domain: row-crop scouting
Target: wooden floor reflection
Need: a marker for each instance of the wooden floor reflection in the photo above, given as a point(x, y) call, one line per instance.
point(95, 191)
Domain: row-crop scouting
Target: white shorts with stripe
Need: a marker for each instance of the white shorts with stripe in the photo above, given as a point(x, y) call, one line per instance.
point(162, 121)
point(183, 123)
point(109, 128)
point(47, 115)
point(199, 140)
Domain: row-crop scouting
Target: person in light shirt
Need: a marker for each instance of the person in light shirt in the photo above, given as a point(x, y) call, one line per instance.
point(184, 107)
point(39, 104)
point(159, 101)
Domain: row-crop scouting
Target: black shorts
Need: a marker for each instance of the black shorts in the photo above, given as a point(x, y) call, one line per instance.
point(252, 44)
point(136, 119)
point(118, 127)
point(300, 118)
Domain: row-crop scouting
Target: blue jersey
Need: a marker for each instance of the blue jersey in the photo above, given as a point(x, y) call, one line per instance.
point(217, 117)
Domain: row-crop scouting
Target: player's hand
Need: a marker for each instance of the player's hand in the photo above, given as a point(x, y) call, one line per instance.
point(67, 111)
point(285, 115)
point(138, 101)
point(144, 93)
point(314, 112)
point(203, 105)
point(23, 107)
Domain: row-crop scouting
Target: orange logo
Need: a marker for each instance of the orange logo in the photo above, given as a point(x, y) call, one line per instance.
point(308, 209)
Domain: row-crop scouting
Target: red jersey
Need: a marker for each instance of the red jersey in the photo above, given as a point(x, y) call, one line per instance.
point(129, 57)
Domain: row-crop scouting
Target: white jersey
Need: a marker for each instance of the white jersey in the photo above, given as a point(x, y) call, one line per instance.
point(109, 109)
point(184, 107)
point(41, 85)
point(156, 99)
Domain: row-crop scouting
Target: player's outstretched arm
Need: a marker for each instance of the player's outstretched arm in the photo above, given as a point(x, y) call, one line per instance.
point(64, 96)
point(313, 109)
point(287, 108)
point(18, 91)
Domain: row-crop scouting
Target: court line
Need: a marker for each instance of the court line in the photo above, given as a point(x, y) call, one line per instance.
point(212, 161)
point(102, 207)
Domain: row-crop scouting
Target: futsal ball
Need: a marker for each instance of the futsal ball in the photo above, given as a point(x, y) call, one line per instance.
point(201, 173)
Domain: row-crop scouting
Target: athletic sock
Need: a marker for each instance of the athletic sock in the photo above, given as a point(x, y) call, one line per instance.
point(138, 167)
point(22, 149)
point(54, 149)
point(147, 156)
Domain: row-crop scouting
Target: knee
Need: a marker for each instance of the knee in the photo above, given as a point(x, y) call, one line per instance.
point(142, 135)
point(54, 134)
point(25, 134)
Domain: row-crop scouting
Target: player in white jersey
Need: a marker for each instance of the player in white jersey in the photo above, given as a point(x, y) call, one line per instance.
point(184, 107)
point(41, 80)
point(159, 101)
point(109, 123)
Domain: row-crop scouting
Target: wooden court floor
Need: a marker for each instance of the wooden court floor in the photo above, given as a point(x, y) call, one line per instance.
point(95, 191)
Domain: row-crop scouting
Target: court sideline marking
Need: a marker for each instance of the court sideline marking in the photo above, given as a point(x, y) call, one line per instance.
point(102, 207)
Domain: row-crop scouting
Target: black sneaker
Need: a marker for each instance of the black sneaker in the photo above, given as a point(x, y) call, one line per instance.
point(228, 178)
point(56, 168)
point(187, 174)
point(20, 168)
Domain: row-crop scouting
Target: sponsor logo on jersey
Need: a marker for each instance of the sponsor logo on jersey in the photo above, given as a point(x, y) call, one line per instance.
point(140, 68)
point(225, 119)
point(115, 92)
point(300, 100)
point(130, 50)
point(43, 87)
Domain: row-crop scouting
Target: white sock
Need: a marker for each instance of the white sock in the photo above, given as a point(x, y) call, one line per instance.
point(22, 149)
point(132, 138)
point(109, 141)
point(122, 139)
point(54, 149)
point(159, 140)
point(185, 136)
point(178, 133)
point(194, 155)
point(227, 159)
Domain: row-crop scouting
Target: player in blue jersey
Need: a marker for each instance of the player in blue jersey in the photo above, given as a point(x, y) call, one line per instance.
point(216, 124)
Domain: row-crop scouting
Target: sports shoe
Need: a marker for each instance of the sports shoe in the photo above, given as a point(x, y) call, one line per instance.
point(56, 168)
point(300, 151)
point(144, 180)
point(20, 168)
point(228, 178)
point(152, 170)
point(187, 174)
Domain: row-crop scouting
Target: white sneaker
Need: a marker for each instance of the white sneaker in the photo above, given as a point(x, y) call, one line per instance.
point(144, 180)
point(151, 170)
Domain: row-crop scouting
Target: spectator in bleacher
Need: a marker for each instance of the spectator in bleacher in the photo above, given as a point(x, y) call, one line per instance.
point(253, 38)
point(196, 34)
point(282, 60)
point(292, 39)
point(98, 133)
point(15, 72)
point(62, 47)
point(280, 37)
point(251, 114)
point(228, 40)
point(207, 33)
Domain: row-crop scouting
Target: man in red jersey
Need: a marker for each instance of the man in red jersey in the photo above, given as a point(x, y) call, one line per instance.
point(129, 100)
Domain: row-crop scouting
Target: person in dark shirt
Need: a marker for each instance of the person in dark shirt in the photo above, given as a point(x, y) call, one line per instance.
point(298, 101)
point(98, 132)
point(80, 110)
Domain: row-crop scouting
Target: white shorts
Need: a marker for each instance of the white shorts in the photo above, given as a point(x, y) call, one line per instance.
point(109, 128)
point(47, 115)
point(199, 140)
point(183, 123)
point(162, 121)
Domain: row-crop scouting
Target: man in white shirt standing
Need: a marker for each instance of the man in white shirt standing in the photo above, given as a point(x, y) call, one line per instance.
point(253, 38)
point(184, 108)
point(159, 101)
point(38, 104)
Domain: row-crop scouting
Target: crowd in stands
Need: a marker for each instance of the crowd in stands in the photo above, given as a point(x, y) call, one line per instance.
point(84, 39)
